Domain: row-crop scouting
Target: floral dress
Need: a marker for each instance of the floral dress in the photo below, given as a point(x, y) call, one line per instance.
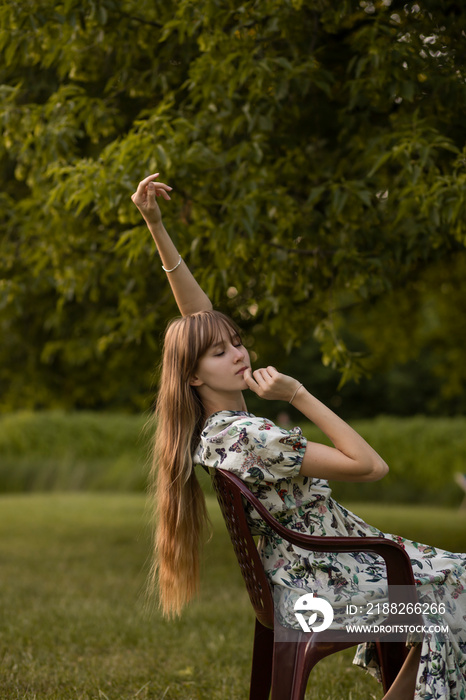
point(268, 459)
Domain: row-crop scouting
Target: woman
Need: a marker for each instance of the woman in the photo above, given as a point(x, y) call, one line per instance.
point(202, 419)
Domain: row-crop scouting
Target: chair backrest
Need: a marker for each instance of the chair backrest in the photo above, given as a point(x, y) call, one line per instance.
point(232, 492)
point(232, 507)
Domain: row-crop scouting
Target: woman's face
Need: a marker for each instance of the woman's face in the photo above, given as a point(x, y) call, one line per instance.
point(221, 368)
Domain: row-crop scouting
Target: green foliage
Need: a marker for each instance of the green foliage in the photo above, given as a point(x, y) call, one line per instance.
point(423, 455)
point(428, 318)
point(86, 451)
point(58, 451)
point(316, 152)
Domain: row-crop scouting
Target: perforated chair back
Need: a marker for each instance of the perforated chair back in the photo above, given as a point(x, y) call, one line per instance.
point(231, 505)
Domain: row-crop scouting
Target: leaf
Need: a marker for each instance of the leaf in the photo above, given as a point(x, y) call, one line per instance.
point(312, 171)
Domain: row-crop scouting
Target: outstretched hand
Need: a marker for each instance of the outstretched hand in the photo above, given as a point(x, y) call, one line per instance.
point(145, 198)
point(270, 384)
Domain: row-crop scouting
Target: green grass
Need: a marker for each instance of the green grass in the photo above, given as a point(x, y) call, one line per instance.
point(73, 622)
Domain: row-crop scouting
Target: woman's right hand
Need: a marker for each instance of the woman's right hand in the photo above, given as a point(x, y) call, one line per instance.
point(269, 383)
point(145, 198)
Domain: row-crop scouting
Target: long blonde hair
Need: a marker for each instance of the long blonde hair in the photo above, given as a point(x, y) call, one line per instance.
point(180, 513)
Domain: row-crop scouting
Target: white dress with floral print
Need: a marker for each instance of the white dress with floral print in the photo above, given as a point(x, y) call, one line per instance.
point(268, 459)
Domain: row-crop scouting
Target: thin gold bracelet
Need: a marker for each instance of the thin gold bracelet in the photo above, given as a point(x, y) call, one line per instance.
point(173, 268)
point(299, 387)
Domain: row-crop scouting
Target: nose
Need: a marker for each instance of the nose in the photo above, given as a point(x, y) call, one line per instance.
point(239, 353)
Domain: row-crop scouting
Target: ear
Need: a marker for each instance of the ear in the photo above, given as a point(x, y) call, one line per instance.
point(195, 381)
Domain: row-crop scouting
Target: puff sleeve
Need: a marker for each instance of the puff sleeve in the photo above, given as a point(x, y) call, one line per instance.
point(253, 448)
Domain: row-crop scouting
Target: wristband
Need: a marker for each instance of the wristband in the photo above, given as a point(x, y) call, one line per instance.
point(173, 268)
point(292, 398)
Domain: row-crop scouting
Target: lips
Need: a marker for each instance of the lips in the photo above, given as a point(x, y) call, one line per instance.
point(242, 370)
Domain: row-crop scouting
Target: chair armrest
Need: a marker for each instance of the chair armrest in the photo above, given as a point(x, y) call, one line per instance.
point(399, 569)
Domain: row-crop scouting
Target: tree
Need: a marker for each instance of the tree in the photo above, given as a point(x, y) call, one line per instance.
point(316, 151)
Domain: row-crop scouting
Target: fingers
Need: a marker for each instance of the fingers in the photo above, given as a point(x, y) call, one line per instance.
point(261, 380)
point(250, 381)
point(148, 189)
point(142, 187)
point(157, 189)
point(163, 190)
point(266, 375)
point(148, 179)
point(254, 380)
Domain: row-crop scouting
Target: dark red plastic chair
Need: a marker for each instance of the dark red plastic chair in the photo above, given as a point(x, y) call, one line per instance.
point(284, 667)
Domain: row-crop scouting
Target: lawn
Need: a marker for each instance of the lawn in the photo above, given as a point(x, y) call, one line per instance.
point(74, 624)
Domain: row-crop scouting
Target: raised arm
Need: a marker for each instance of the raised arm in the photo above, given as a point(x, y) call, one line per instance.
point(188, 295)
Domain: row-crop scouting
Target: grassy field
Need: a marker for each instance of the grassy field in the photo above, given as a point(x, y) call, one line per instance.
point(73, 622)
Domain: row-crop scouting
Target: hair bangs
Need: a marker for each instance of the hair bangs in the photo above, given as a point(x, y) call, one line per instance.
point(212, 327)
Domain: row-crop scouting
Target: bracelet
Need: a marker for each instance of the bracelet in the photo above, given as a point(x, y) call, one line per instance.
point(173, 268)
point(291, 400)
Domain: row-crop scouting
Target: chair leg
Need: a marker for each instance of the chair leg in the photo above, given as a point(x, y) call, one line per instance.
point(294, 659)
point(391, 658)
point(287, 682)
point(261, 672)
